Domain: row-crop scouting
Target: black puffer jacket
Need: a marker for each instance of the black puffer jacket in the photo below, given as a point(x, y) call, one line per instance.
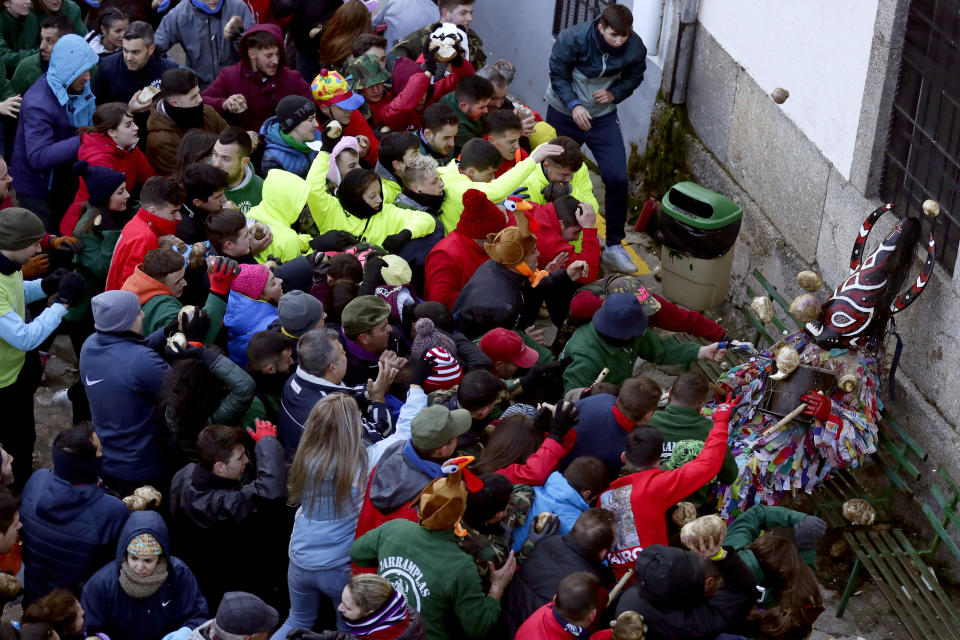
point(669, 581)
point(535, 584)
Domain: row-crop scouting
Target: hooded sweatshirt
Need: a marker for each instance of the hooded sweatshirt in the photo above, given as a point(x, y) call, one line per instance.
point(176, 604)
point(329, 213)
point(284, 195)
point(556, 496)
point(283, 152)
point(160, 306)
point(49, 117)
point(262, 93)
point(138, 237)
point(69, 531)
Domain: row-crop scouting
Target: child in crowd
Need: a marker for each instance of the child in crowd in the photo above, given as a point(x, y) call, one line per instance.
point(251, 307)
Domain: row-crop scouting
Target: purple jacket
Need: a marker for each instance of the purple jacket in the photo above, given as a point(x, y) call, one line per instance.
point(262, 97)
point(52, 141)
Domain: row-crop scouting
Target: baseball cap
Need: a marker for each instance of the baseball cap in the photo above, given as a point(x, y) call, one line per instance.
point(244, 614)
point(435, 425)
point(330, 87)
point(362, 314)
point(503, 345)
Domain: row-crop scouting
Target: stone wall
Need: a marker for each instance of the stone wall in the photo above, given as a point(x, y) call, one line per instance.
point(800, 212)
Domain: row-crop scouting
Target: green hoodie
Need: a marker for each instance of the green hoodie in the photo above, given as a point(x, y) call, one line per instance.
point(19, 38)
point(749, 525)
point(70, 9)
point(284, 195)
point(467, 129)
point(436, 576)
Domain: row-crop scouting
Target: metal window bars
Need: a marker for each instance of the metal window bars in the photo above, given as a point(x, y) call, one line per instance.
point(568, 13)
point(922, 158)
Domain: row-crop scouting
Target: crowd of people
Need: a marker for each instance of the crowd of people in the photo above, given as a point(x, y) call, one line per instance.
point(309, 275)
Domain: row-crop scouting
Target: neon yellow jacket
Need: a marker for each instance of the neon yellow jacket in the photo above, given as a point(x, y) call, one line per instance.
point(284, 195)
point(455, 184)
point(582, 186)
point(329, 214)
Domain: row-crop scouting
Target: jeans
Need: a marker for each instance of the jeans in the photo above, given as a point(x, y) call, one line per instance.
point(605, 141)
point(307, 589)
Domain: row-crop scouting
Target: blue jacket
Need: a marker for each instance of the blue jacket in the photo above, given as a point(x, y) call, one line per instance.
point(178, 603)
point(581, 62)
point(69, 531)
point(45, 139)
point(598, 434)
point(277, 154)
point(123, 377)
point(243, 318)
point(115, 83)
point(555, 496)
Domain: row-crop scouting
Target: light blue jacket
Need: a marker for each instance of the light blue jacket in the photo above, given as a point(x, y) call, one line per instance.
point(555, 496)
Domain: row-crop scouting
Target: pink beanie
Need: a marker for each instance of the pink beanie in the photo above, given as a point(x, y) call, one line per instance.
point(252, 280)
point(346, 142)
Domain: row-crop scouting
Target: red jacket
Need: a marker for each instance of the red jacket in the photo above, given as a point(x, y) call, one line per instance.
point(551, 243)
point(138, 236)
point(99, 149)
point(449, 266)
point(543, 625)
point(650, 493)
point(400, 112)
point(262, 97)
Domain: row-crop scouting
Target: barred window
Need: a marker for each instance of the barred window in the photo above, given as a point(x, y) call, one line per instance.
point(568, 13)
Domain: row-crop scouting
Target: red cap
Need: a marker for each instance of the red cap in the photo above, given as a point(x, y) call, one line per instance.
point(503, 345)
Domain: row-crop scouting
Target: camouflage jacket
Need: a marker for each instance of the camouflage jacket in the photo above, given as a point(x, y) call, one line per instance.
point(412, 46)
point(493, 543)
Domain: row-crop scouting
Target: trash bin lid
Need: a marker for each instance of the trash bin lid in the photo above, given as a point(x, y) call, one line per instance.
point(700, 207)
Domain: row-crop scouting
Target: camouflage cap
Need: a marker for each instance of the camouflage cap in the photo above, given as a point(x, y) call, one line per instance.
point(366, 71)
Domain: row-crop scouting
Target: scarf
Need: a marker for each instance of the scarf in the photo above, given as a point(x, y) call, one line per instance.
point(533, 276)
point(575, 630)
point(80, 107)
point(205, 8)
point(431, 203)
point(185, 117)
point(295, 144)
point(392, 612)
point(140, 588)
point(427, 467)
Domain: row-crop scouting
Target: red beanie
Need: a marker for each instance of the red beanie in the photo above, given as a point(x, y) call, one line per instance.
point(481, 217)
point(584, 305)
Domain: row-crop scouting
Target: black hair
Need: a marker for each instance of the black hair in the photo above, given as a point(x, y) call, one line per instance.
point(577, 595)
point(9, 505)
point(490, 500)
point(178, 82)
point(452, 4)
point(60, 22)
point(139, 30)
point(265, 347)
point(478, 389)
point(566, 208)
point(223, 225)
point(473, 88)
point(617, 17)
point(237, 135)
point(195, 145)
point(346, 266)
point(76, 441)
point(394, 145)
point(587, 473)
point(200, 181)
point(644, 446)
point(366, 41)
point(501, 121)
point(191, 394)
point(437, 116)
point(438, 312)
point(480, 154)
point(160, 190)
point(110, 16)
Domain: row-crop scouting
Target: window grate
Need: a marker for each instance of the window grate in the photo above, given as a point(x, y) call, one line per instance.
point(922, 159)
point(568, 13)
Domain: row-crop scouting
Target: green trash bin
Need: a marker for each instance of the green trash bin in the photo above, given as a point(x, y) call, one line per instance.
point(697, 229)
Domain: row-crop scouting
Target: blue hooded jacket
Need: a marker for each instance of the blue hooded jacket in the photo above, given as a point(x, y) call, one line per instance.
point(69, 531)
point(278, 154)
point(243, 318)
point(49, 117)
point(556, 496)
point(177, 603)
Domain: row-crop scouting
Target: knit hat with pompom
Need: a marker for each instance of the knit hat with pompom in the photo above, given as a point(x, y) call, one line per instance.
point(429, 337)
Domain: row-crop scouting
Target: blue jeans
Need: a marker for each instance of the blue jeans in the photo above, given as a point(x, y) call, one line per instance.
point(605, 141)
point(307, 589)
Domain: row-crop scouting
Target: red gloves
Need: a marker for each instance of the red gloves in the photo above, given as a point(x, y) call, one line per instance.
point(724, 411)
point(221, 272)
point(818, 406)
point(264, 428)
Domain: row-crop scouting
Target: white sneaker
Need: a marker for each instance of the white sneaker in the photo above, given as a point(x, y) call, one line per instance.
point(615, 257)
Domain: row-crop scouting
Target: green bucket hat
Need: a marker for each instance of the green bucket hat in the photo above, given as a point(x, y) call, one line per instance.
point(366, 71)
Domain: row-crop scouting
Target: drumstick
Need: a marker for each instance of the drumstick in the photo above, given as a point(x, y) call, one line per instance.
point(620, 586)
point(790, 416)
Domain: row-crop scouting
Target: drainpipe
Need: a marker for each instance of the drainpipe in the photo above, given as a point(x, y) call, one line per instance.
point(684, 55)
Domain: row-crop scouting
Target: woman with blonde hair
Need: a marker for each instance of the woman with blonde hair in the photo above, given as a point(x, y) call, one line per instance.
point(327, 480)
